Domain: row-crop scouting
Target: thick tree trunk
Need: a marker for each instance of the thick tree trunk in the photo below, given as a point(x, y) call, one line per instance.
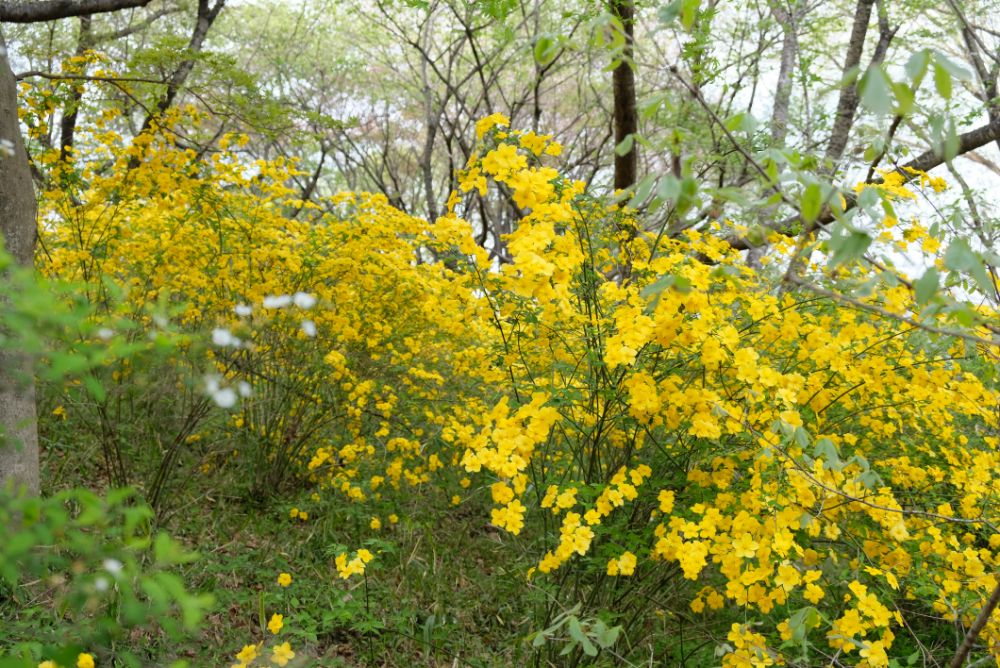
point(18, 423)
point(623, 83)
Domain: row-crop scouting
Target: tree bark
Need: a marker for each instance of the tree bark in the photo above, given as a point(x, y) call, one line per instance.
point(34, 11)
point(789, 53)
point(626, 116)
point(18, 423)
point(848, 102)
point(71, 111)
point(206, 17)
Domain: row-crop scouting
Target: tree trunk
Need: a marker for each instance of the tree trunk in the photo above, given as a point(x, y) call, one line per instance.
point(72, 108)
point(848, 102)
point(623, 83)
point(18, 421)
point(788, 20)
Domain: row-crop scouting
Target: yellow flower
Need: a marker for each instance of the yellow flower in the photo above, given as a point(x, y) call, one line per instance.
point(623, 565)
point(484, 125)
point(666, 499)
point(284, 579)
point(277, 621)
point(84, 661)
point(247, 654)
point(875, 653)
point(48, 664)
point(375, 524)
point(503, 160)
point(282, 654)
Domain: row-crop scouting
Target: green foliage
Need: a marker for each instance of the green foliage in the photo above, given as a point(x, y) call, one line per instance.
point(106, 577)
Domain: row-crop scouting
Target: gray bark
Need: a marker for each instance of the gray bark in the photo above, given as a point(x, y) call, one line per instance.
point(783, 93)
point(206, 17)
point(34, 11)
point(18, 423)
point(848, 102)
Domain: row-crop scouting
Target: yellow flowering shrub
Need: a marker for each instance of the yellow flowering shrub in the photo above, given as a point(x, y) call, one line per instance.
point(655, 426)
point(777, 451)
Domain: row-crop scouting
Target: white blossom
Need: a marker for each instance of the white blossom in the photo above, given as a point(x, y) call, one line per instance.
point(304, 300)
point(277, 301)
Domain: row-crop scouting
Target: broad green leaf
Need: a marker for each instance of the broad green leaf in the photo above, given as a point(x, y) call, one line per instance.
point(926, 286)
point(812, 201)
point(952, 143)
point(642, 190)
point(942, 80)
point(876, 93)
point(905, 97)
point(916, 66)
point(688, 196)
point(577, 634)
point(625, 146)
point(961, 258)
point(953, 68)
point(849, 247)
point(546, 49)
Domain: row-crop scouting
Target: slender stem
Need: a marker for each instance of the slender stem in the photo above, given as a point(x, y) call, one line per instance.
point(977, 626)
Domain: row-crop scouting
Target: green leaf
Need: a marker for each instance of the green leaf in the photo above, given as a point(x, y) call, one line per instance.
point(686, 10)
point(942, 80)
point(826, 449)
point(953, 68)
point(688, 196)
point(625, 146)
point(926, 286)
point(802, 621)
point(642, 191)
point(606, 637)
point(951, 142)
point(95, 388)
point(577, 634)
point(961, 258)
point(741, 121)
point(546, 49)
point(849, 247)
point(669, 188)
point(916, 66)
point(876, 93)
point(905, 98)
point(812, 201)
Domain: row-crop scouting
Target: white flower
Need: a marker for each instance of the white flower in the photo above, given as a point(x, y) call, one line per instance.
point(224, 397)
point(101, 584)
point(244, 388)
point(222, 337)
point(277, 301)
point(304, 300)
point(309, 328)
point(243, 310)
point(113, 566)
point(104, 333)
